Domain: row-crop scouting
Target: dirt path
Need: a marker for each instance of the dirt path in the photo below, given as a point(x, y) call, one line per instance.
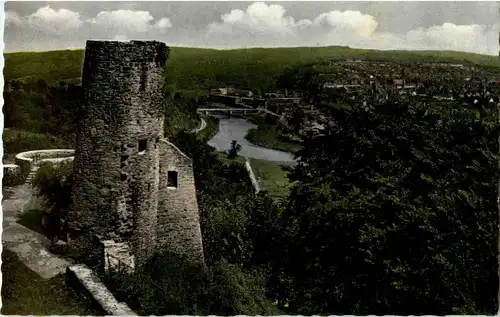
point(203, 125)
point(29, 246)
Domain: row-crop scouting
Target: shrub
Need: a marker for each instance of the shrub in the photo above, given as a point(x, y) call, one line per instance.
point(16, 141)
point(170, 285)
point(54, 183)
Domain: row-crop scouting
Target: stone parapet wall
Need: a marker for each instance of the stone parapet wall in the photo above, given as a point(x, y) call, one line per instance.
point(26, 164)
point(12, 175)
point(80, 276)
point(253, 179)
point(28, 160)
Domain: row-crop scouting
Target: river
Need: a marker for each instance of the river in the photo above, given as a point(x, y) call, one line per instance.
point(235, 129)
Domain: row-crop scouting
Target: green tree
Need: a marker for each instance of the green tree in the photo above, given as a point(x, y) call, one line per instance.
point(54, 183)
point(295, 119)
point(393, 213)
point(169, 284)
point(233, 151)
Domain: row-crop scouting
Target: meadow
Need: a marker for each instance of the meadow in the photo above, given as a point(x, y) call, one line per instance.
point(271, 177)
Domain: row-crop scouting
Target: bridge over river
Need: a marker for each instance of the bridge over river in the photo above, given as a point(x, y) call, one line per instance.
point(207, 111)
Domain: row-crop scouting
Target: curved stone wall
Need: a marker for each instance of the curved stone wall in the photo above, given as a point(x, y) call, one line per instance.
point(28, 160)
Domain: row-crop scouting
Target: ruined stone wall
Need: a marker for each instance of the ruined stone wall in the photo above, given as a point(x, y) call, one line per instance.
point(116, 165)
point(117, 256)
point(178, 217)
point(12, 175)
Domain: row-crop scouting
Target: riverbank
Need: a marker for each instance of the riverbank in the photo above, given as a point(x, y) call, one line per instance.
point(269, 137)
point(234, 129)
point(266, 163)
point(267, 134)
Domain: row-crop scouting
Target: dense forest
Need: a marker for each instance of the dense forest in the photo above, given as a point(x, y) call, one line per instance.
point(391, 211)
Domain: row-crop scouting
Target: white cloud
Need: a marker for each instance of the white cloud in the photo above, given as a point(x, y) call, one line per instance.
point(12, 18)
point(260, 15)
point(363, 24)
point(260, 24)
point(272, 22)
point(127, 21)
point(55, 20)
point(163, 24)
point(269, 25)
point(470, 38)
point(63, 23)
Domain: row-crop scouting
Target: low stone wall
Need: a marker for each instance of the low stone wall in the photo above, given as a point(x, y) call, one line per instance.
point(12, 175)
point(80, 276)
point(58, 160)
point(27, 160)
point(25, 165)
point(255, 183)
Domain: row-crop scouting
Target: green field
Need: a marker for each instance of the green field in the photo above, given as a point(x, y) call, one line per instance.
point(271, 177)
point(194, 68)
point(25, 293)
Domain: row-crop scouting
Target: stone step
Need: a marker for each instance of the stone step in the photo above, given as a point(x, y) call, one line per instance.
point(30, 178)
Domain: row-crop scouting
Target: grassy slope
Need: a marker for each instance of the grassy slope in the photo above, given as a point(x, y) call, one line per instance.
point(51, 66)
point(25, 293)
point(271, 177)
point(16, 141)
point(192, 67)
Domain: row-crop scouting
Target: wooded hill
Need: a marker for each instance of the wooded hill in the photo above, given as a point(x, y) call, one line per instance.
point(196, 68)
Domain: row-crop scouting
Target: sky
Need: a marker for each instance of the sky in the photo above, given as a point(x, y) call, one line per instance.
point(416, 25)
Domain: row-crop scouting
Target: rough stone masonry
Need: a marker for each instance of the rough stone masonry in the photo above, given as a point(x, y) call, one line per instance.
point(131, 186)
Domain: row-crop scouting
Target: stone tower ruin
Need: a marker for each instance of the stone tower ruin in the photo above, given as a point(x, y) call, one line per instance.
point(133, 191)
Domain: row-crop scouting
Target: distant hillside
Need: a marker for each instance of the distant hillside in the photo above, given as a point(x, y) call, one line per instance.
point(191, 68)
